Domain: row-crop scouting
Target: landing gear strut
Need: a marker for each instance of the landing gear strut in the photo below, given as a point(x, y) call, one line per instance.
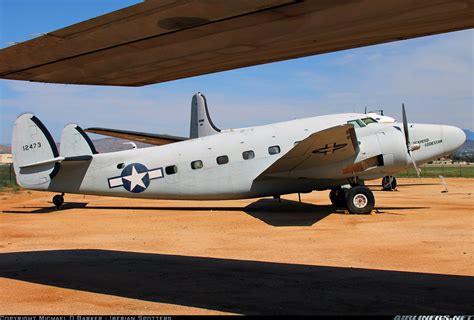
point(389, 183)
point(58, 200)
point(358, 199)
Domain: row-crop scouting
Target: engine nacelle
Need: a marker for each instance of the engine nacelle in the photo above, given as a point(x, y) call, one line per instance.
point(393, 147)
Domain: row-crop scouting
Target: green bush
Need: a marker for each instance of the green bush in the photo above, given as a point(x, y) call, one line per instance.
point(435, 171)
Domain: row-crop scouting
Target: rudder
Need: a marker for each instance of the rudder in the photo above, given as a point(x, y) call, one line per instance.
point(32, 143)
point(201, 123)
point(75, 142)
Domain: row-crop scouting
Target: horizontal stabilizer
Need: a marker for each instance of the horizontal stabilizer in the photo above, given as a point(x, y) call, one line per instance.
point(57, 160)
point(320, 148)
point(150, 138)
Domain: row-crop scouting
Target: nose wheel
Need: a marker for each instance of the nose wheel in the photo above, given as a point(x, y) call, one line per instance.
point(58, 200)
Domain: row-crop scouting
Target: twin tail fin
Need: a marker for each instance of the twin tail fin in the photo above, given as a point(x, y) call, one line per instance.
point(36, 159)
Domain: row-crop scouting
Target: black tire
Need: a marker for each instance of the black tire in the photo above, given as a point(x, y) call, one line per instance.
point(360, 200)
point(58, 200)
point(389, 183)
point(337, 197)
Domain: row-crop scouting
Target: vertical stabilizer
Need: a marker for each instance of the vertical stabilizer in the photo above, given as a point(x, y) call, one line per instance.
point(201, 123)
point(75, 142)
point(31, 144)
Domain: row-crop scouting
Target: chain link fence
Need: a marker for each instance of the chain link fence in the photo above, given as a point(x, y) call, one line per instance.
point(7, 176)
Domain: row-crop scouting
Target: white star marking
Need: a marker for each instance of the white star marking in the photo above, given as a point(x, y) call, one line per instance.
point(136, 179)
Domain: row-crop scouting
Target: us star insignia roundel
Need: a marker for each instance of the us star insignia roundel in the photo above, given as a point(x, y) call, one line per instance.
point(135, 178)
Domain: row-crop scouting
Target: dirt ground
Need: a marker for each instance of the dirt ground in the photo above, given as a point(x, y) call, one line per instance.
point(101, 255)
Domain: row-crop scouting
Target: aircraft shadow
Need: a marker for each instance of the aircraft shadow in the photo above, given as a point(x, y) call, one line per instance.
point(284, 213)
point(238, 286)
point(39, 210)
point(270, 211)
point(289, 213)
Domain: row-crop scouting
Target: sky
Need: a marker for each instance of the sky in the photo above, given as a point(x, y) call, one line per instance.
point(432, 75)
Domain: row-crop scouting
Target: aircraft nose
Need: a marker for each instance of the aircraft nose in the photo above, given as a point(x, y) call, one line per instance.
point(453, 138)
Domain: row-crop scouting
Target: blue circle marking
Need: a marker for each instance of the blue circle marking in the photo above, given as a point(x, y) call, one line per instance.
point(135, 178)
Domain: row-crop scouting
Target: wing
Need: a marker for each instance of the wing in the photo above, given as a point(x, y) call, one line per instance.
point(150, 138)
point(160, 40)
point(326, 146)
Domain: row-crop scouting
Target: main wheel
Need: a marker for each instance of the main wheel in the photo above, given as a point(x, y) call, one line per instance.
point(58, 200)
point(337, 197)
point(360, 200)
point(389, 183)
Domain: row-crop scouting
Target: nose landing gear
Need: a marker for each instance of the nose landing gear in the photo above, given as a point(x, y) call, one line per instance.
point(358, 199)
point(58, 200)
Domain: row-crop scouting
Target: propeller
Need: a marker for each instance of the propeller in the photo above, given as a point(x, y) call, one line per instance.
point(410, 147)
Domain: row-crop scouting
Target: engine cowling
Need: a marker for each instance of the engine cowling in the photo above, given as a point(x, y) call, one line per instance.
point(393, 147)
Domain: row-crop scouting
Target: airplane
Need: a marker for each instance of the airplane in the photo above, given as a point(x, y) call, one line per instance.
point(156, 41)
point(336, 151)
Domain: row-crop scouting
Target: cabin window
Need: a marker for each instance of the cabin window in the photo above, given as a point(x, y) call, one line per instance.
point(222, 159)
point(196, 164)
point(247, 155)
point(121, 165)
point(171, 169)
point(274, 149)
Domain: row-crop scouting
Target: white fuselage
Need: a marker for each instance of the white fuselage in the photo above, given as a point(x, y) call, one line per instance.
point(237, 178)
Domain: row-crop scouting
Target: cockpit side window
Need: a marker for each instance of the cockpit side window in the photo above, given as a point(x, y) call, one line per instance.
point(369, 120)
point(357, 123)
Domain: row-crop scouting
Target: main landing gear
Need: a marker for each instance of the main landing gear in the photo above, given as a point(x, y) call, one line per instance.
point(357, 199)
point(58, 200)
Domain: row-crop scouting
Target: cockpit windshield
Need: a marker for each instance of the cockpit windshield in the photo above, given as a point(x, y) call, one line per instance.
point(361, 123)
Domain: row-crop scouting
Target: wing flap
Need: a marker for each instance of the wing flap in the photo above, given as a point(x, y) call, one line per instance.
point(330, 145)
point(150, 138)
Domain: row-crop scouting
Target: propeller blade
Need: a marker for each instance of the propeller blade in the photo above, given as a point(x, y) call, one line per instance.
point(414, 165)
point(405, 127)
point(410, 148)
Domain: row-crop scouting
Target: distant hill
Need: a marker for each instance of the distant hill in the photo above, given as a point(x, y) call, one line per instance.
point(469, 134)
point(115, 144)
point(5, 149)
